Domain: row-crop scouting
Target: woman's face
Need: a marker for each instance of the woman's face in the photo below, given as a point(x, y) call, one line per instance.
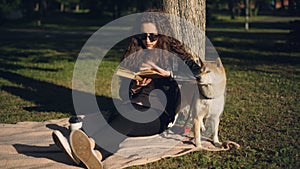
point(150, 36)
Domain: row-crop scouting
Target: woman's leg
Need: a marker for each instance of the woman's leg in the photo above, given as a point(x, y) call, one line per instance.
point(83, 148)
point(119, 128)
point(131, 128)
point(109, 139)
point(62, 142)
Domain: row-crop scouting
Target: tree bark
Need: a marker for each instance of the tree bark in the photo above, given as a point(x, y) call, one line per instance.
point(193, 11)
point(282, 5)
point(62, 7)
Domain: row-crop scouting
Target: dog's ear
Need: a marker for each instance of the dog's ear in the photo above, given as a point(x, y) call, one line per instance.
point(203, 69)
point(201, 73)
point(219, 63)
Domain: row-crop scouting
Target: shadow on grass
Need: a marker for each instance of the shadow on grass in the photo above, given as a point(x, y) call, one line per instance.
point(256, 25)
point(49, 46)
point(43, 51)
point(49, 152)
point(254, 48)
point(49, 97)
point(16, 67)
point(249, 36)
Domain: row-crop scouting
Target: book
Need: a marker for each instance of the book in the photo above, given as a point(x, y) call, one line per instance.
point(138, 75)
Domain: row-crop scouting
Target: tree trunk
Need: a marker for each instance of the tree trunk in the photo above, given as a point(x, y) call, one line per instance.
point(282, 5)
point(77, 7)
point(62, 7)
point(193, 11)
point(231, 6)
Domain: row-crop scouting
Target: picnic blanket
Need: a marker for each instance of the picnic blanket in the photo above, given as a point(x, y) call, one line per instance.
point(30, 145)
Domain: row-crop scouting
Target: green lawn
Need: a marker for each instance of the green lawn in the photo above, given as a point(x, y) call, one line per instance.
point(262, 104)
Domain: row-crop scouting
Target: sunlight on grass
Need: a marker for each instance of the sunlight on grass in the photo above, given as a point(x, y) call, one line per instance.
point(254, 30)
point(262, 102)
point(241, 19)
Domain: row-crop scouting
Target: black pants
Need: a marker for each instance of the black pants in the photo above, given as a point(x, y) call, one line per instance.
point(108, 136)
point(131, 128)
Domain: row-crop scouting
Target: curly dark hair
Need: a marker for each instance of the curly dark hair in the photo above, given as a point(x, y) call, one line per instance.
point(166, 42)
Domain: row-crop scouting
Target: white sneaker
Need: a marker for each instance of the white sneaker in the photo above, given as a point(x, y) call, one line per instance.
point(62, 143)
point(83, 148)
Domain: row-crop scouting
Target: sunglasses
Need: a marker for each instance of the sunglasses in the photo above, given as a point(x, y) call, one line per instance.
point(152, 37)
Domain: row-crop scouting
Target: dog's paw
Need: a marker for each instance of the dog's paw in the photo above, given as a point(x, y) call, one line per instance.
point(218, 144)
point(203, 129)
point(199, 145)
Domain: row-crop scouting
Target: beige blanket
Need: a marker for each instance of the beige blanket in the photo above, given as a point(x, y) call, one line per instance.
point(30, 145)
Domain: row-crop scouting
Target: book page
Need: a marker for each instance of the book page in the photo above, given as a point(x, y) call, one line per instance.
point(138, 75)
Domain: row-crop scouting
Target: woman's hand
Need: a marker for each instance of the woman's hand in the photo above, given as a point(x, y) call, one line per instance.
point(139, 84)
point(143, 82)
point(152, 66)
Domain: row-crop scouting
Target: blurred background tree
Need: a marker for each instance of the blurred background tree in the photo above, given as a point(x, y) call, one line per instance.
point(64, 3)
point(6, 8)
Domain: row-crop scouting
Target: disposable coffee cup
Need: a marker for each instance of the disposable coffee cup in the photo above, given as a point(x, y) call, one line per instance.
point(75, 123)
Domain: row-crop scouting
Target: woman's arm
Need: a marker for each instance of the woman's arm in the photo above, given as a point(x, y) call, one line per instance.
point(152, 66)
point(132, 88)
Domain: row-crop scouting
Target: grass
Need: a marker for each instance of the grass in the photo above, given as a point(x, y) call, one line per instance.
point(262, 103)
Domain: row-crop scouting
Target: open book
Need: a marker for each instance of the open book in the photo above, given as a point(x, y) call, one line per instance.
point(138, 75)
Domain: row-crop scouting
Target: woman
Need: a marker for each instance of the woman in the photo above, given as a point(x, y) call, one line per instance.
point(146, 51)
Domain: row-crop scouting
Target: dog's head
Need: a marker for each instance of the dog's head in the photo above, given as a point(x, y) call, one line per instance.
point(212, 79)
point(204, 77)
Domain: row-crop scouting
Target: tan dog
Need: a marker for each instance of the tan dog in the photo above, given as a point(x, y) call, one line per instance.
point(210, 104)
